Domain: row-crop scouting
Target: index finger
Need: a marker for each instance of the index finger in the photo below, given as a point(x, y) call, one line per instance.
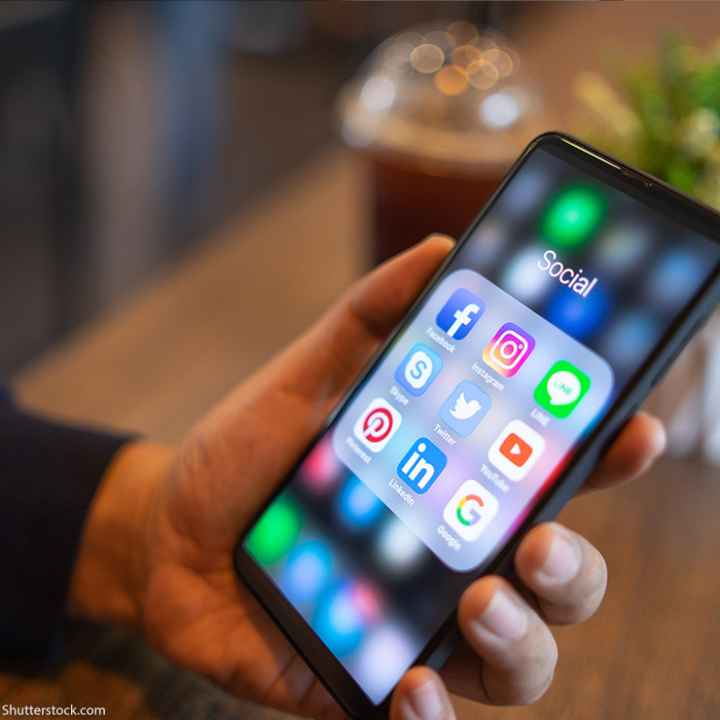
point(635, 449)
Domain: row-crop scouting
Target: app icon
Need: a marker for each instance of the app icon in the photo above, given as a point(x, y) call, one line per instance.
point(307, 570)
point(421, 465)
point(275, 532)
point(344, 613)
point(509, 349)
point(516, 450)
point(562, 389)
point(357, 506)
point(581, 317)
point(465, 408)
point(377, 424)
point(572, 216)
point(470, 510)
point(419, 368)
point(460, 313)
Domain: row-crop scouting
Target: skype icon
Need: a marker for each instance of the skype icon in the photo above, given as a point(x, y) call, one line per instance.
point(419, 368)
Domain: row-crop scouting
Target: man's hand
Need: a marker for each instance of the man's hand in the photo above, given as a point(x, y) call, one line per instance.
point(157, 548)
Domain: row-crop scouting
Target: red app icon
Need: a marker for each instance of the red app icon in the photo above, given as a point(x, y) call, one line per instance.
point(516, 450)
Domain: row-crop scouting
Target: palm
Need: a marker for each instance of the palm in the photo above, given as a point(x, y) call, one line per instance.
point(198, 614)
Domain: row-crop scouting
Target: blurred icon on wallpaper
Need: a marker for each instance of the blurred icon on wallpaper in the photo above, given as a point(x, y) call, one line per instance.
point(307, 571)
point(460, 313)
point(321, 469)
point(418, 369)
point(376, 426)
point(470, 510)
point(489, 241)
point(466, 406)
point(357, 506)
point(508, 349)
point(521, 278)
point(422, 465)
point(398, 549)
point(525, 192)
point(579, 316)
point(674, 276)
point(622, 249)
point(388, 649)
point(275, 532)
point(631, 336)
point(572, 216)
point(343, 614)
point(562, 389)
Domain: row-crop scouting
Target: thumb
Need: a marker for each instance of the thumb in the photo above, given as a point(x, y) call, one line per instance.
point(421, 695)
point(291, 396)
point(322, 363)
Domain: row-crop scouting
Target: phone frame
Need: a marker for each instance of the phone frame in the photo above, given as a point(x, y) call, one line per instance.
point(642, 186)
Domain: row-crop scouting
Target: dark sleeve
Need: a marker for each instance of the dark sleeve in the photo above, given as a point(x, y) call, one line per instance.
point(48, 474)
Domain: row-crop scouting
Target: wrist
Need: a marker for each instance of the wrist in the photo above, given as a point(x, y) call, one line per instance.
point(109, 576)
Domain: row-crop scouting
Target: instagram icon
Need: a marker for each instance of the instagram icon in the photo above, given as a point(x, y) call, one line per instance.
point(509, 349)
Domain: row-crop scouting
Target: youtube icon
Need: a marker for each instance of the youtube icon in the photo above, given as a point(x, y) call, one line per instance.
point(516, 450)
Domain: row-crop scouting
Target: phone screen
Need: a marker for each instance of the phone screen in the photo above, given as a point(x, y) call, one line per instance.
point(554, 302)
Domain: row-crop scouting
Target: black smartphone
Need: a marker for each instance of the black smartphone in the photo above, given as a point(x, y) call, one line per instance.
point(559, 309)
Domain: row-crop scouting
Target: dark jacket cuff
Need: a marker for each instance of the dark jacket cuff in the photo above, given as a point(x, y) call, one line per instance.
point(49, 472)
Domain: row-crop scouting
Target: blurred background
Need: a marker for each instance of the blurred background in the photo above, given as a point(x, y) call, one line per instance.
point(163, 164)
point(131, 132)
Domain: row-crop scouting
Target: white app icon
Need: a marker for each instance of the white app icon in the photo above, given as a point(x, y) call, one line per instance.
point(470, 510)
point(465, 409)
point(376, 426)
point(516, 450)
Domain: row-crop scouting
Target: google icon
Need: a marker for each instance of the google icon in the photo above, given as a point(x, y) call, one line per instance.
point(470, 510)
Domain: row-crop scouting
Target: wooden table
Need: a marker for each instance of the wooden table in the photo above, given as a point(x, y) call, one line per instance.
point(158, 363)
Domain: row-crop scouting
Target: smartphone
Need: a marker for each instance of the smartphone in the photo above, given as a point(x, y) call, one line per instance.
point(557, 312)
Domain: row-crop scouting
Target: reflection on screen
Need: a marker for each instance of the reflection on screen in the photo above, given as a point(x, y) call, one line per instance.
point(550, 307)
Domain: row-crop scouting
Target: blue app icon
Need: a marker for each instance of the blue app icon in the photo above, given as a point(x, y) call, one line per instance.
point(460, 313)
point(357, 506)
point(418, 369)
point(465, 408)
point(581, 317)
point(308, 569)
point(421, 465)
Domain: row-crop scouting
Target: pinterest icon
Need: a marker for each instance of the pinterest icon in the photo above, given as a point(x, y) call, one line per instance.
point(377, 424)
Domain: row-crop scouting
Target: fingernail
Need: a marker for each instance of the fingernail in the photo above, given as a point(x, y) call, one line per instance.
point(426, 702)
point(503, 617)
point(562, 563)
point(659, 438)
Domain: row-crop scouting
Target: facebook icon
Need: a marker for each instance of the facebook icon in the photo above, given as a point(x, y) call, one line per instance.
point(460, 313)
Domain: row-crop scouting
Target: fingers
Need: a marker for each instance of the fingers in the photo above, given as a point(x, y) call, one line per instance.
point(421, 695)
point(635, 449)
point(381, 299)
point(565, 572)
point(516, 649)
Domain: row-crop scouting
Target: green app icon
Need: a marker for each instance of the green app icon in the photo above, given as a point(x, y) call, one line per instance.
point(562, 389)
point(572, 216)
point(275, 531)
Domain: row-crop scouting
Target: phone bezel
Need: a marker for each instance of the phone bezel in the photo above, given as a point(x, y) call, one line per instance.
point(653, 192)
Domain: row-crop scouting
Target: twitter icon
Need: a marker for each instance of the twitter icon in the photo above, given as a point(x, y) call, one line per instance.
point(465, 408)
